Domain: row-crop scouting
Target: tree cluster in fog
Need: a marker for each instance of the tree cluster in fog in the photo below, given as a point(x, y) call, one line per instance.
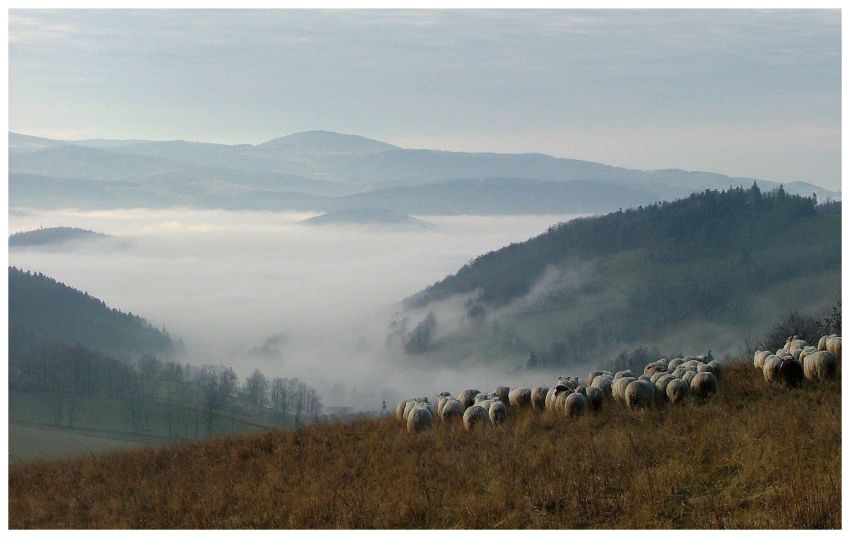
point(187, 401)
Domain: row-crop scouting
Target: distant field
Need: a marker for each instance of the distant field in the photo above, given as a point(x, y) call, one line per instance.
point(101, 424)
point(42, 442)
point(753, 456)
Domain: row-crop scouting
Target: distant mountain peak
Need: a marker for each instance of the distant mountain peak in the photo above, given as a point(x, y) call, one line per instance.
point(328, 141)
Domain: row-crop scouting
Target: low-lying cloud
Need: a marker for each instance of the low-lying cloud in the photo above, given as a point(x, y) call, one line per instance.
point(262, 290)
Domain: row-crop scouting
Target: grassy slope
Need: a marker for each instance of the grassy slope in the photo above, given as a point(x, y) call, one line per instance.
point(102, 423)
point(755, 456)
point(43, 442)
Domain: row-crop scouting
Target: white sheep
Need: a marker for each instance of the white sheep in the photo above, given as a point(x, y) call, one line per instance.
point(833, 345)
point(476, 416)
point(502, 393)
point(639, 394)
point(451, 409)
point(794, 342)
point(592, 375)
point(399, 410)
point(674, 363)
point(552, 395)
point(677, 390)
point(420, 418)
point(408, 407)
point(604, 383)
point(717, 366)
point(520, 397)
point(467, 397)
point(706, 367)
point(497, 412)
point(689, 375)
point(758, 358)
point(441, 401)
point(661, 386)
point(575, 404)
point(624, 373)
point(820, 365)
point(822, 342)
point(770, 370)
point(618, 388)
point(704, 384)
point(538, 398)
point(595, 397)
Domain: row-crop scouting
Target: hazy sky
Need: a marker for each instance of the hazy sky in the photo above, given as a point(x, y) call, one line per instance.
point(745, 93)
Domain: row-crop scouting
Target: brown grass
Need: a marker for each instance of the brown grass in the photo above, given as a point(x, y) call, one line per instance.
point(754, 456)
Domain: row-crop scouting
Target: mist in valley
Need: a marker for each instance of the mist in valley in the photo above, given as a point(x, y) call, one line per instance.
point(264, 290)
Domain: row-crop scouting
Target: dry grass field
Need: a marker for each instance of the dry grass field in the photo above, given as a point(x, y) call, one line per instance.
point(753, 456)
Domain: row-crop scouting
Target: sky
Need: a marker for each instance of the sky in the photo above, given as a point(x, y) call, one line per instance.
point(739, 92)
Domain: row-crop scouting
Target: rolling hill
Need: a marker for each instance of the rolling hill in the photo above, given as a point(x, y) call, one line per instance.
point(42, 309)
point(708, 270)
point(320, 171)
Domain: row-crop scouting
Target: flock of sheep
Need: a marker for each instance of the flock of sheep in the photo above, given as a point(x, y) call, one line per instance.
point(661, 381)
point(796, 360)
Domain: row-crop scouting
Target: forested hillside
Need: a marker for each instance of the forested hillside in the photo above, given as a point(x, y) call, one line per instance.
point(632, 276)
point(41, 308)
point(84, 377)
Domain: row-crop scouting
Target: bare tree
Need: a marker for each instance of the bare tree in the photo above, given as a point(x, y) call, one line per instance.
point(257, 388)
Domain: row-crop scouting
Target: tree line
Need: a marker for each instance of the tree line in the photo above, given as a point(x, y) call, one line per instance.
point(158, 396)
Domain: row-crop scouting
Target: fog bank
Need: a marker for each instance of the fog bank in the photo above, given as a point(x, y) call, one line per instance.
point(262, 290)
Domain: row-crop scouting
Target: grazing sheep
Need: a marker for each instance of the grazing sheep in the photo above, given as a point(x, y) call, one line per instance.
point(688, 376)
point(399, 410)
point(794, 342)
point(661, 386)
point(482, 396)
point(420, 418)
point(822, 342)
point(595, 397)
point(706, 368)
point(623, 373)
point(618, 389)
point(497, 412)
point(552, 396)
point(674, 363)
point(718, 368)
point(677, 390)
point(451, 409)
point(561, 399)
point(833, 345)
point(575, 405)
point(592, 375)
point(639, 394)
point(520, 397)
point(476, 416)
point(408, 407)
point(502, 393)
point(805, 351)
point(758, 358)
point(679, 372)
point(704, 384)
point(790, 372)
point(770, 370)
point(820, 365)
point(603, 382)
point(467, 397)
point(442, 398)
point(538, 398)
point(651, 369)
